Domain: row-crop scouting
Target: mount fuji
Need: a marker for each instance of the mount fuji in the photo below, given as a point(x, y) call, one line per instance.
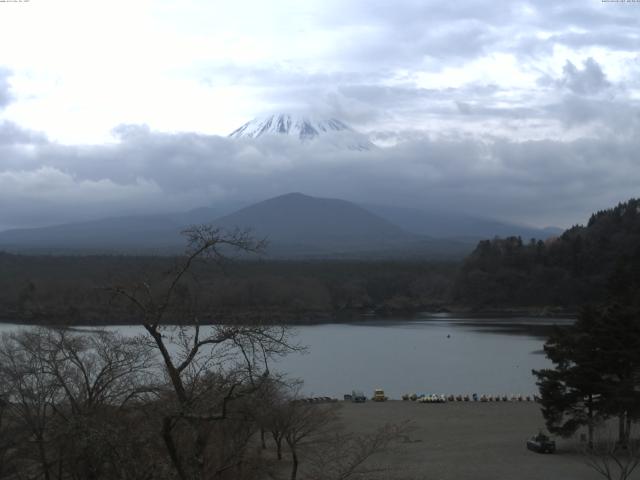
point(304, 128)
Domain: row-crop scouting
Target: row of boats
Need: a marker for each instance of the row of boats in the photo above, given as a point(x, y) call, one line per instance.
point(439, 398)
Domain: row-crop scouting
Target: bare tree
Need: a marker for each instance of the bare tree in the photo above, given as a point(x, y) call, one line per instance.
point(71, 394)
point(207, 366)
point(266, 409)
point(344, 455)
point(31, 395)
point(299, 421)
point(101, 369)
point(99, 374)
point(612, 459)
point(9, 434)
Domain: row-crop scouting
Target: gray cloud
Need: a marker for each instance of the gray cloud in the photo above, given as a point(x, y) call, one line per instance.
point(616, 40)
point(12, 134)
point(5, 94)
point(541, 182)
point(587, 98)
point(408, 33)
point(615, 115)
point(590, 80)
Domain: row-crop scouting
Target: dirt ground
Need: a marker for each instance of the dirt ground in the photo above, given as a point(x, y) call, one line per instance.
point(460, 441)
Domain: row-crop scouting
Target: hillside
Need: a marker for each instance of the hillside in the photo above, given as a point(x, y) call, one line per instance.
point(298, 221)
point(450, 224)
point(295, 226)
point(585, 264)
point(131, 234)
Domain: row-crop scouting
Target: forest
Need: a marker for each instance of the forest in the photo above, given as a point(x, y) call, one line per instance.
point(585, 264)
point(74, 289)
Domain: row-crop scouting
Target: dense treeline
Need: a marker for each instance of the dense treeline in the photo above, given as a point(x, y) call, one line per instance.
point(586, 264)
point(71, 289)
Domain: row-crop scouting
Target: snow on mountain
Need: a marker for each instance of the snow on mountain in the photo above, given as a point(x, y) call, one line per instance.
point(305, 129)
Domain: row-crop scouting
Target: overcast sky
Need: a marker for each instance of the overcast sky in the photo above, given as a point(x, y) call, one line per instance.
point(525, 111)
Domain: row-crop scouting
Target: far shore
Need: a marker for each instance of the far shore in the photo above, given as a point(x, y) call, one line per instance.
point(274, 317)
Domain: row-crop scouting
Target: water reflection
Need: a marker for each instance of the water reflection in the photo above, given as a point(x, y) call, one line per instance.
point(428, 354)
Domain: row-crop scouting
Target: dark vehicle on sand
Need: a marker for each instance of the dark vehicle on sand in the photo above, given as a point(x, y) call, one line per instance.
point(358, 396)
point(541, 443)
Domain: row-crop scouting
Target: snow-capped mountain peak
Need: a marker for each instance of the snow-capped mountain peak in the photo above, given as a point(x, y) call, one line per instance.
point(304, 128)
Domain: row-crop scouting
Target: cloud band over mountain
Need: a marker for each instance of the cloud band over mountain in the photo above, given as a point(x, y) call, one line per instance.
point(539, 182)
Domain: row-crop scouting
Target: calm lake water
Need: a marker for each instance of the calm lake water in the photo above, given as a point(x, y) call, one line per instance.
point(430, 354)
point(425, 354)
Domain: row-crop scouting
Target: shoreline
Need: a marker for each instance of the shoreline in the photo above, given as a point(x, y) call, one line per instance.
point(327, 318)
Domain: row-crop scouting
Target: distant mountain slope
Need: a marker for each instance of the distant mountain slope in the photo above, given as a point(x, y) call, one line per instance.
point(296, 225)
point(300, 219)
point(439, 224)
point(585, 264)
point(129, 233)
point(304, 128)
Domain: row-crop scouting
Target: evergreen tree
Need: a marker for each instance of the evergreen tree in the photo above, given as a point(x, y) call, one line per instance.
point(596, 372)
point(570, 393)
point(617, 330)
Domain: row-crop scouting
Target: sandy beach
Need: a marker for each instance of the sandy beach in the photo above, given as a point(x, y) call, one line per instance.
point(460, 441)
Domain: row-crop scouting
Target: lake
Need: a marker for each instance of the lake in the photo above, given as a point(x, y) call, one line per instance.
point(428, 354)
point(424, 354)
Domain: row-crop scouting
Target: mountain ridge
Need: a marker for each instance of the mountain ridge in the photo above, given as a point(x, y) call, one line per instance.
point(451, 224)
point(296, 224)
point(314, 220)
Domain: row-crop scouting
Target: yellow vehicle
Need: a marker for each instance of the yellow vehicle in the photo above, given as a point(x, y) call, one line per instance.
point(378, 395)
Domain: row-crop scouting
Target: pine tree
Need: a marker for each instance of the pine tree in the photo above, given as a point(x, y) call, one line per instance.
point(596, 372)
point(617, 330)
point(570, 393)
